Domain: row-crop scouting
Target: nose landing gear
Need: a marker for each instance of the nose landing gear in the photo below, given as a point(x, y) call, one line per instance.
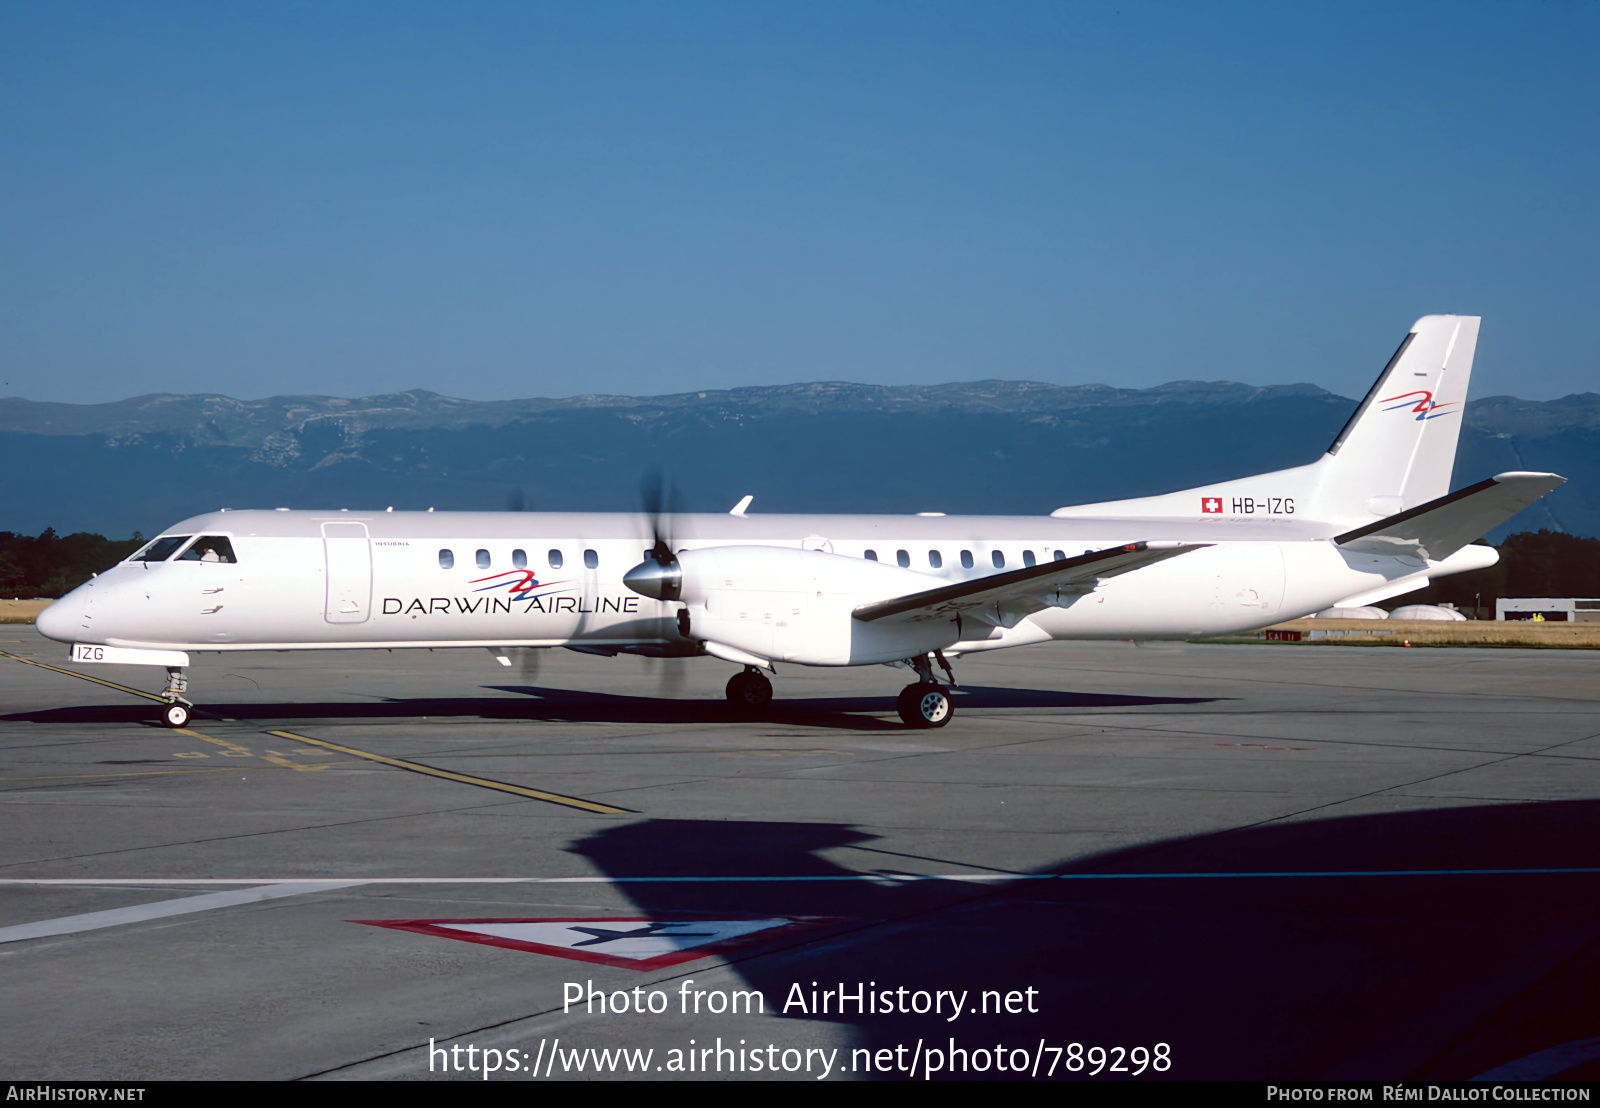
point(749, 690)
point(175, 713)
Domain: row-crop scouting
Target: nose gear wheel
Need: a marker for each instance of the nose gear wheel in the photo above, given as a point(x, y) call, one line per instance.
point(175, 712)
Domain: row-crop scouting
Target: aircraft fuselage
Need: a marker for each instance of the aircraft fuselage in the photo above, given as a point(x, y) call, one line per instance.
point(321, 580)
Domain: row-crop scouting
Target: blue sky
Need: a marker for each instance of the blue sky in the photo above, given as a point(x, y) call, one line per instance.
point(498, 200)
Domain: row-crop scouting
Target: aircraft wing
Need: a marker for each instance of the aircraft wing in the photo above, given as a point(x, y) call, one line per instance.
point(1437, 529)
point(1005, 599)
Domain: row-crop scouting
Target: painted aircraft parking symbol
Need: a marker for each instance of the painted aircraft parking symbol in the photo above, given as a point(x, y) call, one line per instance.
point(627, 943)
point(606, 935)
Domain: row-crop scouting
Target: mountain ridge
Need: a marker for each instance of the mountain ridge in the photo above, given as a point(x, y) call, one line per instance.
point(171, 411)
point(995, 445)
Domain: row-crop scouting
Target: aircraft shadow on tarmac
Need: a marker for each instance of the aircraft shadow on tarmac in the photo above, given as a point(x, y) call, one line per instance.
point(1355, 977)
point(534, 703)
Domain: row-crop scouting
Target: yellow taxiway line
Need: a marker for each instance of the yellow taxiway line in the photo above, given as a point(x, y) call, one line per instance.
point(82, 676)
point(463, 778)
point(398, 763)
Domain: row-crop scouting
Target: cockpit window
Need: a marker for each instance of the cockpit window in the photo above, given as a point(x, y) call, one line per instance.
point(159, 550)
point(209, 548)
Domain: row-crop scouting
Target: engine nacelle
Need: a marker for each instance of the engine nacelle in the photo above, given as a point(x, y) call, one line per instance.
point(792, 605)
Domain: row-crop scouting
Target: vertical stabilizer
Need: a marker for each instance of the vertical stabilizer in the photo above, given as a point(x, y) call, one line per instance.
point(1397, 451)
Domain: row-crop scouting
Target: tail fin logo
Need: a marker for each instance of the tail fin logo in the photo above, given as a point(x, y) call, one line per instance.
point(1425, 407)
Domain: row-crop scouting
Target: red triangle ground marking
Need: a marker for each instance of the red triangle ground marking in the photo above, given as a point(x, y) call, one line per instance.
point(626, 942)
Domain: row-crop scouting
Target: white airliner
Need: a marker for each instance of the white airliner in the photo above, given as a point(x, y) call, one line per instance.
point(1371, 519)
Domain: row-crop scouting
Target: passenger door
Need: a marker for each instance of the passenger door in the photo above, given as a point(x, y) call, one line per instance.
point(348, 553)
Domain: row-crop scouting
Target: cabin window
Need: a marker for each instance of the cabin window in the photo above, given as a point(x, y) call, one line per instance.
point(966, 559)
point(999, 560)
point(591, 560)
point(555, 559)
point(902, 559)
point(209, 548)
point(159, 550)
point(871, 555)
point(519, 559)
point(1061, 555)
point(935, 559)
point(1027, 558)
point(483, 559)
point(447, 559)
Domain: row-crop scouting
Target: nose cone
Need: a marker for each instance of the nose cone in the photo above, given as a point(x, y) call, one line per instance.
point(659, 582)
point(63, 620)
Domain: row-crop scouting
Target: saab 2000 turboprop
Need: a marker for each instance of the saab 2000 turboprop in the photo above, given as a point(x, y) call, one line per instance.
point(1371, 519)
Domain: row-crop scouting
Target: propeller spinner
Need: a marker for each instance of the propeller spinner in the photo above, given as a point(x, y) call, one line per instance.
point(659, 576)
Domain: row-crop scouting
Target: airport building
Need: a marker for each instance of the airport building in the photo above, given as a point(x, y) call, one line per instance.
point(1570, 609)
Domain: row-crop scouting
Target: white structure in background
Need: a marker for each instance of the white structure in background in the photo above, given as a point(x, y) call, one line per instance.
point(1571, 609)
point(1426, 611)
point(1352, 613)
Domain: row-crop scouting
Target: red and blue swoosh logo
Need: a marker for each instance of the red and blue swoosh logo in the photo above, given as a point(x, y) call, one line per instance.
point(1425, 406)
point(519, 583)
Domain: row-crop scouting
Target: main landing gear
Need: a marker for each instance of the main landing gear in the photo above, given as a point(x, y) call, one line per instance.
point(175, 713)
point(923, 704)
point(749, 691)
point(927, 703)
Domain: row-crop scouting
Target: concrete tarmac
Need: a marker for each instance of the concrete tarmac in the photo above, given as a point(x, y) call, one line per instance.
point(1268, 862)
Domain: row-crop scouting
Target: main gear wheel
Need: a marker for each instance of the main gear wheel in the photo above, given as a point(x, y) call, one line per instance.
point(749, 691)
point(925, 704)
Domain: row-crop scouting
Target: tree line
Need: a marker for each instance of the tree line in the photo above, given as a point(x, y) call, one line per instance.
point(1532, 563)
point(49, 564)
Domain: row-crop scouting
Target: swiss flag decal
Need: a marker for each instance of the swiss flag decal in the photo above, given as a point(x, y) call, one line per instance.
point(1211, 505)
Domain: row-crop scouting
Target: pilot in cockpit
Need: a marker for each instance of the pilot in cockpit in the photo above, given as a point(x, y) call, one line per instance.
point(209, 548)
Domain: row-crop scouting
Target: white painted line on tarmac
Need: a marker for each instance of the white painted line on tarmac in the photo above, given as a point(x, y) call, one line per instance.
point(878, 876)
point(323, 882)
point(138, 913)
point(892, 876)
point(1544, 1063)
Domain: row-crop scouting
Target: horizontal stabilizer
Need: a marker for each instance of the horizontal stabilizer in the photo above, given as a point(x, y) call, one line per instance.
point(1437, 529)
point(1004, 598)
